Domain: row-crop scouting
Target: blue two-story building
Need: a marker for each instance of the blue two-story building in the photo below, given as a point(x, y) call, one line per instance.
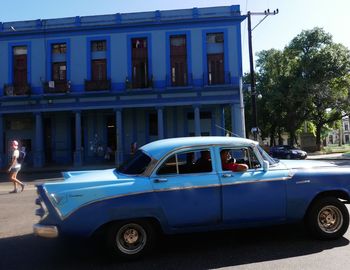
point(78, 90)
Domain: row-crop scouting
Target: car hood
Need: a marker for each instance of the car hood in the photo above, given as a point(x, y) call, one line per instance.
point(305, 164)
point(80, 188)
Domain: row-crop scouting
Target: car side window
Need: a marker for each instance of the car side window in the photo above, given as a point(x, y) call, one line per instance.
point(187, 162)
point(244, 155)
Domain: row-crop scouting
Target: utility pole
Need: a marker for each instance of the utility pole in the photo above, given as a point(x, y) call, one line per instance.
point(255, 129)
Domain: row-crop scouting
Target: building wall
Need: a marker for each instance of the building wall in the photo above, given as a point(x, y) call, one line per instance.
point(79, 118)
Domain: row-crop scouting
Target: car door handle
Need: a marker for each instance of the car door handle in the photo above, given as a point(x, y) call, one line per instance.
point(227, 175)
point(160, 180)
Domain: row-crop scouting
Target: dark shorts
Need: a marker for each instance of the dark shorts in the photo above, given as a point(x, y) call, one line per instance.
point(13, 170)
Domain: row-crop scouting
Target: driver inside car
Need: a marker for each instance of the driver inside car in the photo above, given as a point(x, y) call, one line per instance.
point(229, 164)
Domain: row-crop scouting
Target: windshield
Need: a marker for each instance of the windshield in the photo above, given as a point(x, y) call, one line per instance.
point(136, 164)
point(266, 156)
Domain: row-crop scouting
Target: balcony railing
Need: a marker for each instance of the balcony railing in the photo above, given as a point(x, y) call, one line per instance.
point(56, 87)
point(138, 84)
point(17, 89)
point(98, 85)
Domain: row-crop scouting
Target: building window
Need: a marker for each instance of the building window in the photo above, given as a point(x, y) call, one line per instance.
point(215, 58)
point(20, 65)
point(98, 46)
point(59, 71)
point(153, 124)
point(139, 56)
point(99, 70)
point(98, 62)
point(346, 126)
point(59, 64)
point(60, 48)
point(178, 60)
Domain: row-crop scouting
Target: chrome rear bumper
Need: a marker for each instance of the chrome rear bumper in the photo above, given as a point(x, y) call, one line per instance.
point(47, 231)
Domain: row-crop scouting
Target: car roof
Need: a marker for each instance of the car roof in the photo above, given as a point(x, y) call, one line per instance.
point(159, 148)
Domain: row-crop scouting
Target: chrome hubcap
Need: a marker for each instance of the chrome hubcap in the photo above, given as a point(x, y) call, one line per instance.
point(330, 219)
point(131, 238)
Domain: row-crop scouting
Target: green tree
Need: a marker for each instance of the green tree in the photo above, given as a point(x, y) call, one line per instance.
point(322, 69)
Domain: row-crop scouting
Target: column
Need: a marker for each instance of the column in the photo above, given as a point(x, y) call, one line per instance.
point(2, 150)
point(197, 121)
point(160, 123)
point(233, 122)
point(236, 120)
point(222, 121)
point(119, 153)
point(78, 151)
point(38, 159)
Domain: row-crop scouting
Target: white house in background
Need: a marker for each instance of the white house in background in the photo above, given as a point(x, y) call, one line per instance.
point(334, 135)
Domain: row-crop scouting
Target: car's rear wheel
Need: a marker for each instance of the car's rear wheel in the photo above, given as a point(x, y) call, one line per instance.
point(130, 240)
point(327, 218)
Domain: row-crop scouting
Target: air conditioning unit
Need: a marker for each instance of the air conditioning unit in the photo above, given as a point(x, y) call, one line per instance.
point(51, 84)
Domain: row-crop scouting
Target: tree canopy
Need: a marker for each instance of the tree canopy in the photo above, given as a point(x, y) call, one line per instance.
point(306, 81)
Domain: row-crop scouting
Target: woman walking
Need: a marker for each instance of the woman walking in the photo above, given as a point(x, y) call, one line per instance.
point(14, 168)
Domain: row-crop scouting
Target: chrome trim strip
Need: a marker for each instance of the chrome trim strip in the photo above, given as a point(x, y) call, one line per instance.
point(170, 189)
point(46, 231)
point(257, 181)
point(303, 182)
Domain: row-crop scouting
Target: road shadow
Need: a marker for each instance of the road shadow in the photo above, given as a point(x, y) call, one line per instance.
point(193, 251)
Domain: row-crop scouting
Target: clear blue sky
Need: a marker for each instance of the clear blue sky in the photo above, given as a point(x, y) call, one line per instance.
point(275, 32)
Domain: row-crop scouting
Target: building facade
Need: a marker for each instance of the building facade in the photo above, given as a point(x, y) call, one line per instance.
point(84, 89)
point(343, 133)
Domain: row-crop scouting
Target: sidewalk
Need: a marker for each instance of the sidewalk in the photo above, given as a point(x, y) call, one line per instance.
point(338, 156)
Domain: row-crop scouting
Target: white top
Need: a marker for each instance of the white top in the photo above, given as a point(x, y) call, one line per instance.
point(16, 155)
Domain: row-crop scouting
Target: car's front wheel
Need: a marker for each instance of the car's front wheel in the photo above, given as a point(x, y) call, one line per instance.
point(130, 240)
point(327, 218)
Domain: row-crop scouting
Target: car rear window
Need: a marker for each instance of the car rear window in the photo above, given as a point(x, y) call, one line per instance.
point(136, 164)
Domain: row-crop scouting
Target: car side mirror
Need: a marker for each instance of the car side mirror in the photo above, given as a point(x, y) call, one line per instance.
point(266, 165)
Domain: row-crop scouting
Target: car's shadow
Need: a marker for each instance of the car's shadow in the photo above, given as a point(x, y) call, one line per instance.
point(195, 251)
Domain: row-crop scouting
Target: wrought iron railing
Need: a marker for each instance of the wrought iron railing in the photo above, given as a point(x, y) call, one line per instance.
point(56, 87)
point(98, 85)
point(17, 89)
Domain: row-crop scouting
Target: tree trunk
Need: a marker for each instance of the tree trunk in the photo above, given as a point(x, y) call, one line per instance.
point(292, 137)
point(318, 137)
point(340, 136)
point(280, 139)
point(272, 136)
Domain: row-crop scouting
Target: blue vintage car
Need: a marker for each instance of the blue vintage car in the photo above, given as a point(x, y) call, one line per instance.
point(181, 185)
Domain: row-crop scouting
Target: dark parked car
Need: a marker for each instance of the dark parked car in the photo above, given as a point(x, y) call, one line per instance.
point(287, 152)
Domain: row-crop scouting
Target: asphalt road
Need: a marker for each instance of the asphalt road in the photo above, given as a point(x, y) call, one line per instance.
point(283, 247)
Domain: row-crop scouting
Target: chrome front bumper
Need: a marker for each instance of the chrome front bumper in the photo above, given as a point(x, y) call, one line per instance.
point(46, 231)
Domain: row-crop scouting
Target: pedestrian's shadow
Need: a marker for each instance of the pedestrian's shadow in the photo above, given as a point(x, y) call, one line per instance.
point(192, 251)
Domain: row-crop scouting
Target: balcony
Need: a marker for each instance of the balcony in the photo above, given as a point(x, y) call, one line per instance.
point(56, 87)
point(99, 85)
point(17, 89)
point(138, 83)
